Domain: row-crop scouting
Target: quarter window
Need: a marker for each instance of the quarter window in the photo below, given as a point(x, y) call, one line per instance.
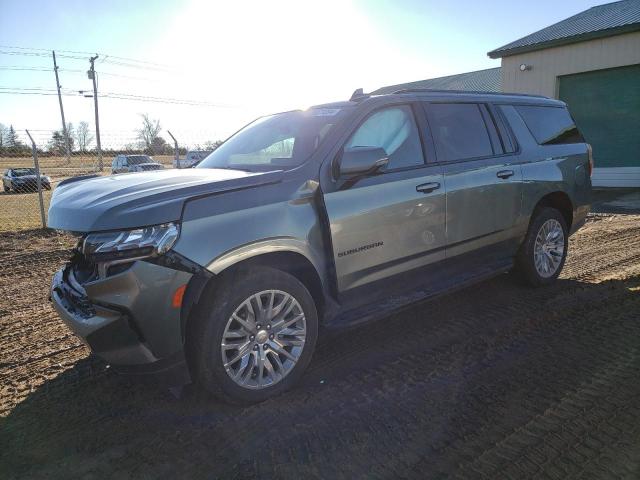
point(550, 125)
point(394, 130)
point(459, 131)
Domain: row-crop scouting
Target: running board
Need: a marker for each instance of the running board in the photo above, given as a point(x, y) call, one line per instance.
point(397, 303)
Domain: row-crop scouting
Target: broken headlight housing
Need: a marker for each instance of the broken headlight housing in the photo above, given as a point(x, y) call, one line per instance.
point(130, 244)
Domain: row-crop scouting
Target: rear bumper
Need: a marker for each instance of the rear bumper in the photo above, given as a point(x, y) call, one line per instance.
point(579, 218)
point(127, 319)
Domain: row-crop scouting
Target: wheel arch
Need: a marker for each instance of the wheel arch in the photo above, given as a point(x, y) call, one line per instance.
point(290, 261)
point(561, 202)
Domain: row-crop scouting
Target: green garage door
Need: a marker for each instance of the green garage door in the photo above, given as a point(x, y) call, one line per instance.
point(606, 108)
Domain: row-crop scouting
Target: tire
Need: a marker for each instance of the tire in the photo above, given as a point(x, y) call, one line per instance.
point(7, 189)
point(212, 323)
point(549, 265)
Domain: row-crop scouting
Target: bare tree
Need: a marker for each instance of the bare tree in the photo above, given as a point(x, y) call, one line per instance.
point(212, 145)
point(149, 133)
point(83, 136)
point(4, 133)
point(57, 144)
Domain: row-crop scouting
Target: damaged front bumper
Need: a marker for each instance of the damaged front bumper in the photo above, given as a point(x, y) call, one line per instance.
point(129, 318)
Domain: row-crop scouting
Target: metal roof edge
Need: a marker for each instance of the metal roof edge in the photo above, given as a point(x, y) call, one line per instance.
point(607, 32)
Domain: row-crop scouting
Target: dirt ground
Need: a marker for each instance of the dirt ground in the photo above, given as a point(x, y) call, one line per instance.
point(496, 381)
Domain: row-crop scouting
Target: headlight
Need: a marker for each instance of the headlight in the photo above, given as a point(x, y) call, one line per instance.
point(136, 243)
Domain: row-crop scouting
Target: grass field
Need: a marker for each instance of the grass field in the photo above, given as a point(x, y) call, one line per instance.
point(19, 211)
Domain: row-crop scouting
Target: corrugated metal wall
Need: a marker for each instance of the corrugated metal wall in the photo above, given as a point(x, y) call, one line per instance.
point(547, 65)
point(543, 79)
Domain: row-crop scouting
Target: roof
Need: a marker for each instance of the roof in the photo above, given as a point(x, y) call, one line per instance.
point(597, 22)
point(458, 95)
point(489, 80)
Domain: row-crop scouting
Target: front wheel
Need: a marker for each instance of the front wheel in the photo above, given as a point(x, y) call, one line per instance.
point(544, 250)
point(254, 337)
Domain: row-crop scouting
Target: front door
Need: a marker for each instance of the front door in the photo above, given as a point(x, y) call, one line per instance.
point(391, 222)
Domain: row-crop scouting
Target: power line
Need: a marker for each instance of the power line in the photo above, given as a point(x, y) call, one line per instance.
point(30, 93)
point(17, 67)
point(114, 95)
point(39, 54)
point(105, 58)
point(28, 88)
point(71, 70)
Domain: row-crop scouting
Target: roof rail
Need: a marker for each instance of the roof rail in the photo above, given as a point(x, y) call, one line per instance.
point(472, 92)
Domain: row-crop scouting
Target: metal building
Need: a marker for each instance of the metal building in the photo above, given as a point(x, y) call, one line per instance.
point(591, 61)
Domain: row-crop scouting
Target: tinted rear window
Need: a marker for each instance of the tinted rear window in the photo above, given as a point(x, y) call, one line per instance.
point(459, 131)
point(550, 125)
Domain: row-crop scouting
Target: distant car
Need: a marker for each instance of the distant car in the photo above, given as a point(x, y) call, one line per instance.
point(24, 180)
point(192, 158)
point(134, 163)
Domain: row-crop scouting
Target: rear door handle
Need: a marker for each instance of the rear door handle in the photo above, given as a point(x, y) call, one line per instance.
point(428, 187)
point(504, 174)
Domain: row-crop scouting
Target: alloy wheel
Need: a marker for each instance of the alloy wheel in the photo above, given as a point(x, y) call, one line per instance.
point(548, 249)
point(263, 339)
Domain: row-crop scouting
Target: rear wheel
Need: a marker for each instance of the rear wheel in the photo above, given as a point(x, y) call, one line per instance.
point(254, 337)
point(544, 250)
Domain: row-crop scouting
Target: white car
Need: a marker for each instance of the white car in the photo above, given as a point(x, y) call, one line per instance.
point(134, 163)
point(193, 157)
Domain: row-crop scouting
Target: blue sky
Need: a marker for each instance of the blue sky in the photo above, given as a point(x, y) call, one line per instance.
point(249, 58)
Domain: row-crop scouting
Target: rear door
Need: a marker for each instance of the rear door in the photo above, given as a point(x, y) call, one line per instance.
point(482, 176)
point(391, 222)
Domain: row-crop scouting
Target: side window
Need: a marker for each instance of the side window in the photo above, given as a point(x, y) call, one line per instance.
point(550, 125)
point(505, 136)
point(496, 144)
point(393, 129)
point(459, 131)
point(278, 149)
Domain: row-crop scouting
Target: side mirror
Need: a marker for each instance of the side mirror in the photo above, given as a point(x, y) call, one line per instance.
point(362, 160)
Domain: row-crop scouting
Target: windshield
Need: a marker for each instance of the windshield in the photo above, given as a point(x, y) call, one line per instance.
point(275, 142)
point(138, 159)
point(19, 172)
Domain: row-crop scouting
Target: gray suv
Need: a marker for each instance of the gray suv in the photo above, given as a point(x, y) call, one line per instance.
point(134, 163)
point(222, 274)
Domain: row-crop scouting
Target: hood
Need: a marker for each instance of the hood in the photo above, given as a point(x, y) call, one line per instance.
point(131, 200)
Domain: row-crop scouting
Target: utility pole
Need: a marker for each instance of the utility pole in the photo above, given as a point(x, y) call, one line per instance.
point(64, 124)
point(92, 75)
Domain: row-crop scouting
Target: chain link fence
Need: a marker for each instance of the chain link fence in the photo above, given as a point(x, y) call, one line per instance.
point(33, 168)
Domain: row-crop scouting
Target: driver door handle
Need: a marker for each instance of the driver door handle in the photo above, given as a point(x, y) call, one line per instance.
point(428, 187)
point(504, 174)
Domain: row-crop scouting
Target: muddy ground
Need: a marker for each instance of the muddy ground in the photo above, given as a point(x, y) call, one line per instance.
point(497, 381)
